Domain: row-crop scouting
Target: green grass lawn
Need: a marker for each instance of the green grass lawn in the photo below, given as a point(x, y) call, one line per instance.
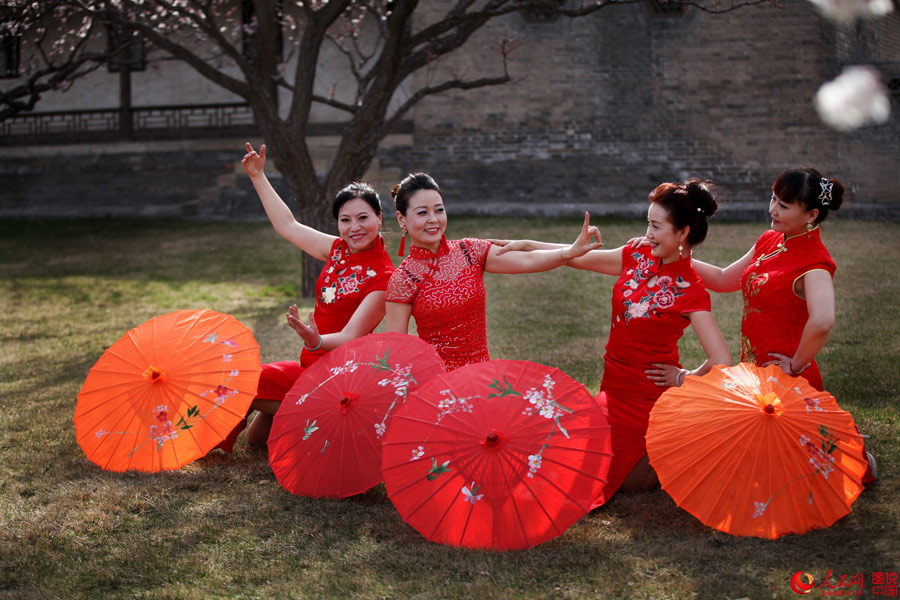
point(223, 527)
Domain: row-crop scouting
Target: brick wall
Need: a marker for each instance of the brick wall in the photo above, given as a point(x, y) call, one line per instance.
point(602, 110)
point(610, 105)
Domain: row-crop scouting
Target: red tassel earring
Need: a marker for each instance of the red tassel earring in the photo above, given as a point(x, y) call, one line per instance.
point(402, 244)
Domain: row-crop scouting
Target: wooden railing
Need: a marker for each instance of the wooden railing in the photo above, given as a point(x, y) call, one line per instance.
point(147, 123)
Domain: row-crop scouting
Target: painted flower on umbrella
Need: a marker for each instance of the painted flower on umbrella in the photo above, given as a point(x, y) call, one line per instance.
point(534, 463)
point(348, 367)
point(470, 493)
point(400, 380)
point(417, 453)
point(543, 403)
point(164, 430)
point(452, 404)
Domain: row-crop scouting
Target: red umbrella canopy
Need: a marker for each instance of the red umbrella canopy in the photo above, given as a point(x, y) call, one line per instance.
point(753, 451)
point(501, 455)
point(167, 392)
point(326, 437)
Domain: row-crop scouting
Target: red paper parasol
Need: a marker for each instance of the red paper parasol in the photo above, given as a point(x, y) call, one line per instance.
point(167, 392)
point(752, 451)
point(326, 437)
point(501, 454)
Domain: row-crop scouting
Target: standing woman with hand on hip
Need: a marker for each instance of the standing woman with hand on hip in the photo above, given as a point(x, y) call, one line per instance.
point(441, 282)
point(787, 280)
point(349, 291)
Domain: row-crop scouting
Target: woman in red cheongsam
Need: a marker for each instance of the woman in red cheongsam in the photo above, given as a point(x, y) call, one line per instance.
point(786, 279)
point(349, 291)
point(657, 295)
point(441, 282)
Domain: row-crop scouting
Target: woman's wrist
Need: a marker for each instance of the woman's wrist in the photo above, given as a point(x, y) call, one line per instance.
point(314, 348)
point(794, 371)
point(679, 379)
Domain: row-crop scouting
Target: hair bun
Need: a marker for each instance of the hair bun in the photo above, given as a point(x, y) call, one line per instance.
point(701, 195)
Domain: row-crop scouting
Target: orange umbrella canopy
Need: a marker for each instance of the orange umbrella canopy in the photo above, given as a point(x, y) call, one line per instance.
point(167, 392)
point(501, 454)
point(752, 451)
point(326, 436)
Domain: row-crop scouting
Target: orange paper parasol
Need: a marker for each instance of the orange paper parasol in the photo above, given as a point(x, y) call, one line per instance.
point(326, 436)
point(752, 451)
point(167, 392)
point(501, 454)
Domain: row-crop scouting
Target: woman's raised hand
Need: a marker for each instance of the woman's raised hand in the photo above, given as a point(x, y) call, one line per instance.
point(309, 333)
point(254, 163)
point(583, 244)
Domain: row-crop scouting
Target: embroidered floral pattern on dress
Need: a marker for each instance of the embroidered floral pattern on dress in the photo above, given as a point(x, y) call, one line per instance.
point(447, 294)
point(652, 302)
point(342, 282)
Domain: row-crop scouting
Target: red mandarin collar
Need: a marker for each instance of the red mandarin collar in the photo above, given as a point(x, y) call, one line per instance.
point(417, 252)
point(348, 258)
point(683, 263)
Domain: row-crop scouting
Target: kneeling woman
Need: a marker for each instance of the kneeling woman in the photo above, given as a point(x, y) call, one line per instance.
point(657, 295)
point(349, 290)
point(441, 283)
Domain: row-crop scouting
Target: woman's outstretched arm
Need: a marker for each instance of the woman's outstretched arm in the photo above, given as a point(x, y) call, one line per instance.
point(310, 240)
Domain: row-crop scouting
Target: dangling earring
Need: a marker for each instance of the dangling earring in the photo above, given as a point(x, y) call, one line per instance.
point(402, 243)
point(680, 250)
point(809, 227)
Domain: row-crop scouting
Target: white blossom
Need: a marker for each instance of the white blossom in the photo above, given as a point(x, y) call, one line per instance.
point(855, 98)
point(850, 10)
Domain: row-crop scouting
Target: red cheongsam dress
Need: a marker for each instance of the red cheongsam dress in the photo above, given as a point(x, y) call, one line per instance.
point(648, 318)
point(347, 278)
point(446, 291)
point(774, 315)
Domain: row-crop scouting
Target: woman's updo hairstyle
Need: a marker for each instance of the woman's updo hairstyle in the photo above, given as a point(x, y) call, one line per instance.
point(363, 191)
point(689, 204)
point(807, 186)
point(403, 191)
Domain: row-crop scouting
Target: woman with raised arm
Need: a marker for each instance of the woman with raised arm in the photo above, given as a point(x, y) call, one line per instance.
point(441, 282)
point(657, 295)
point(786, 279)
point(349, 291)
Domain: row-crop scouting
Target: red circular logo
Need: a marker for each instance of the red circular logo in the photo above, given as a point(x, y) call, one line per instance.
point(802, 582)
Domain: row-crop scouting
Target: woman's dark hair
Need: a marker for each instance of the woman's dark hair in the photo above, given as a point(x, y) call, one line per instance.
point(363, 191)
point(689, 204)
point(807, 186)
point(403, 191)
